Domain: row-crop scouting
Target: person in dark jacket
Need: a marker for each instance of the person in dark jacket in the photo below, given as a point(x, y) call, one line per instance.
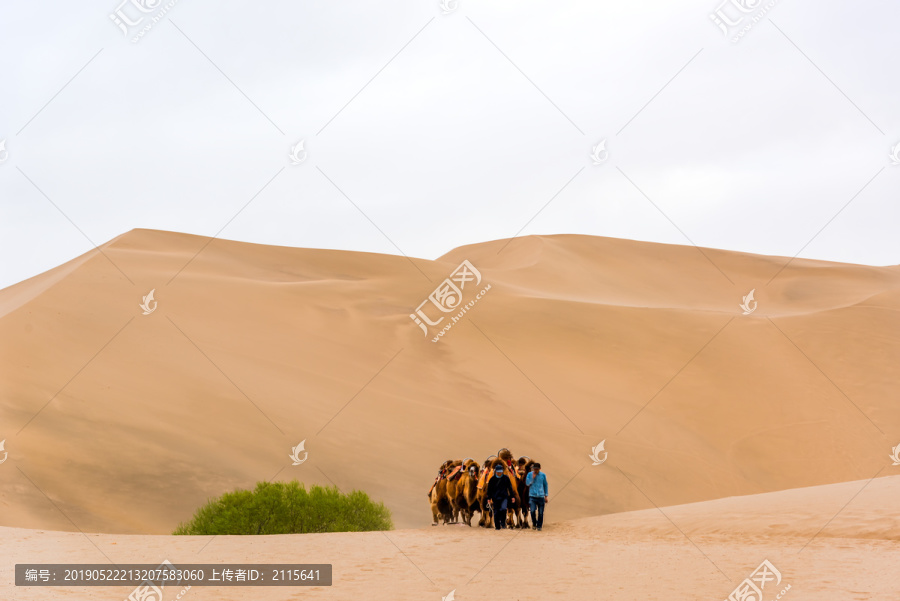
point(500, 494)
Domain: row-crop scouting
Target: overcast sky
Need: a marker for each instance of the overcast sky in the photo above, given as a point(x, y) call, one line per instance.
point(424, 131)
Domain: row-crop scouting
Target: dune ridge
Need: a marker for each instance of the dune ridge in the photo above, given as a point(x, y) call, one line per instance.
point(129, 422)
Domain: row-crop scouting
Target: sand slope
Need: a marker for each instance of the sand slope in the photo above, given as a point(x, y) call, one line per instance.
point(121, 422)
point(689, 552)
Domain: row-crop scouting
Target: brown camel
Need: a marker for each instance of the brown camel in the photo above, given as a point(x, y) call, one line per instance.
point(438, 497)
point(523, 468)
point(481, 494)
point(514, 515)
point(465, 501)
point(455, 471)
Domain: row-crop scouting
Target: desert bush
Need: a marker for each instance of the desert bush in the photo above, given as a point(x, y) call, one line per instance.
point(288, 508)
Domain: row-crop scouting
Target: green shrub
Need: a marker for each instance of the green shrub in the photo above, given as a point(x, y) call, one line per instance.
point(288, 508)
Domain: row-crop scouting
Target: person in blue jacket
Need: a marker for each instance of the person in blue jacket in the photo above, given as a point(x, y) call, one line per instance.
point(537, 495)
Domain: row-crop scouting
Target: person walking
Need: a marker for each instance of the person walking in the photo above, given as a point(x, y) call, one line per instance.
point(537, 495)
point(500, 494)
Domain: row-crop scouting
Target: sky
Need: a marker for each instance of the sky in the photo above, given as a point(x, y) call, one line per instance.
point(428, 125)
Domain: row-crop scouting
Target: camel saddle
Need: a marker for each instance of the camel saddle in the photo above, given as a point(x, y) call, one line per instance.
point(441, 475)
point(486, 475)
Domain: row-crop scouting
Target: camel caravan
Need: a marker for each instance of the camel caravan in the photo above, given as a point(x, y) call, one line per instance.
point(460, 489)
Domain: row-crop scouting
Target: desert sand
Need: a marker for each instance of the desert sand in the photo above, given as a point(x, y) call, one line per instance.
point(123, 423)
point(688, 552)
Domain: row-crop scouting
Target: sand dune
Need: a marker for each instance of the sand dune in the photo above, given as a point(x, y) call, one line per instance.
point(688, 552)
point(120, 422)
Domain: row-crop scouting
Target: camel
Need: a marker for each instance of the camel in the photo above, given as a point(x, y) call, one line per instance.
point(440, 506)
point(438, 495)
point(481, 495)
point(523, 467)
point(515, 513)
point(465, 501)
point(455, 472)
